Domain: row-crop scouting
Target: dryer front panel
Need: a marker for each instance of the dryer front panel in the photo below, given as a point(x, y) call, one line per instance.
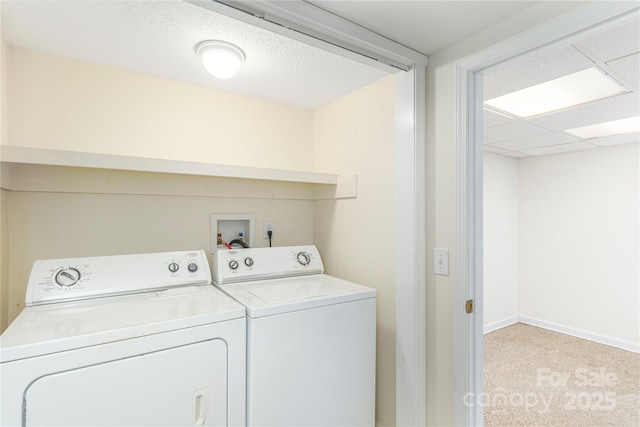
point(185, 385)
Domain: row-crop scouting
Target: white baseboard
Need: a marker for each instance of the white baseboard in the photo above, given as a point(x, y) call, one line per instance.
point(502, 323)
point(578, 333)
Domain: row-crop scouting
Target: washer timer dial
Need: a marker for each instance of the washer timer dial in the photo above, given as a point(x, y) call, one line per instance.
point(303, 258)
point(67, 277)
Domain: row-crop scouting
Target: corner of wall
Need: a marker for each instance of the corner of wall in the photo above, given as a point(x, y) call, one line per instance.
point(3, 217)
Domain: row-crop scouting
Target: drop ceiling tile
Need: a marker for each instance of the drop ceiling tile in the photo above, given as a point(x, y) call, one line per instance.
point(511, 130)
point(616, 139)
point(491, 118)
point(515, 154)
point(627, 69)
point(532, 71)
point(544, 140)
point(614, 43)
point(491, 149)
point(563, 148)
point(614, 108)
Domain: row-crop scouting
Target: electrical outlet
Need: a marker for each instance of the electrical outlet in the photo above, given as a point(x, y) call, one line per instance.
point(268, 226)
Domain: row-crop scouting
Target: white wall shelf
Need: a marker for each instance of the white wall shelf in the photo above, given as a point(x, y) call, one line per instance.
point(39, 156)
point(327, 185)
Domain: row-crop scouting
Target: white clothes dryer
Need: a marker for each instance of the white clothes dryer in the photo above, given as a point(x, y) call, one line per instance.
point(311, 338)
point(126, 340)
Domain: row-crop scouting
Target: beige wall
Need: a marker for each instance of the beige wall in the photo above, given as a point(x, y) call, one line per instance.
point(356, 236)
point(4, 240)
point(113, 220)
point(61, 103)
point(57, 212)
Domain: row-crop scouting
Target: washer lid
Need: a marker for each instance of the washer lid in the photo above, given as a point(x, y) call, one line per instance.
point(275, 296)
point(46, 329)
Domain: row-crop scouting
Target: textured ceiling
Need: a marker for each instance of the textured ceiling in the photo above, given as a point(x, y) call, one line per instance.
point(158, 38)
point(614, 49)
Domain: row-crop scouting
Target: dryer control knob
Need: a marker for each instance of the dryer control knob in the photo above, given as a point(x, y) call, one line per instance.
point(233, 264)
point(67, 277)
point(192, 267)
point(303, 258)
point(248, 261)
point(173, 267)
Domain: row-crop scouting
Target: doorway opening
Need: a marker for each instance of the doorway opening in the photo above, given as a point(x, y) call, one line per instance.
point(563, 30)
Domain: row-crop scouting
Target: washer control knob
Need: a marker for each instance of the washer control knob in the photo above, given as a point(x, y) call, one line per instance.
point(303, 258)
point(192, 267)
point(173, 267)
point(248, 261)
point(233, 264)
point(67, 277)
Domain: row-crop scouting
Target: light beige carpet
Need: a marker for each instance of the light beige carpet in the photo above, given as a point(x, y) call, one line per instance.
point(536, 377)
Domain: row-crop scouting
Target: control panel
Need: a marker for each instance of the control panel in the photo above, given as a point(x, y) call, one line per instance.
point(241, 265)
point(71, 279)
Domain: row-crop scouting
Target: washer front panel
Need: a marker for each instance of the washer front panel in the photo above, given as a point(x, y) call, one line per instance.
point(241, 265)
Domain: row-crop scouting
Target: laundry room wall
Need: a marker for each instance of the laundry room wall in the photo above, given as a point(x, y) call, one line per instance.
point(66, 104)
point(54, 212)
point(134, 212)
point(356, 237)
point(4, 282)
point(579, 240)
point(500, 241)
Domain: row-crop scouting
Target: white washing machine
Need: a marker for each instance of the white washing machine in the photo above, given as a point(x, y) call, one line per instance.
point(131, 340)
point(311, 338)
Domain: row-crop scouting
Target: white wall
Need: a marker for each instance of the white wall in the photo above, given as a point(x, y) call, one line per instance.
point(357, 236)
point(500, 234)
point(579, 238)
point(561, 243)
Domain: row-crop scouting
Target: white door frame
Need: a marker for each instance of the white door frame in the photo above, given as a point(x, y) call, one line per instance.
point(468, 329)
point(410, 224)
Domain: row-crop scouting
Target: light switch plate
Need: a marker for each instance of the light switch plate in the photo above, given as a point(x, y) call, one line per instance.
point(441, 261)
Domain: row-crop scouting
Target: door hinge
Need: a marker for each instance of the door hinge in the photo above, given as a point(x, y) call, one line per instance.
point(468, 306)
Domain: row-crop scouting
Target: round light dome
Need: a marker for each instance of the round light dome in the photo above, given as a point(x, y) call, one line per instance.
point(221, 59)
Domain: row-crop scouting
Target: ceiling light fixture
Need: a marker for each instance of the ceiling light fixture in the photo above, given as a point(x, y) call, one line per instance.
point(600, 130)
point(221, 59)
point(557, 94)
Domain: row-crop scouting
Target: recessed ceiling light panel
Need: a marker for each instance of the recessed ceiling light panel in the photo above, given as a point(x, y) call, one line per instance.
point(616, 127)
point(557, 94)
